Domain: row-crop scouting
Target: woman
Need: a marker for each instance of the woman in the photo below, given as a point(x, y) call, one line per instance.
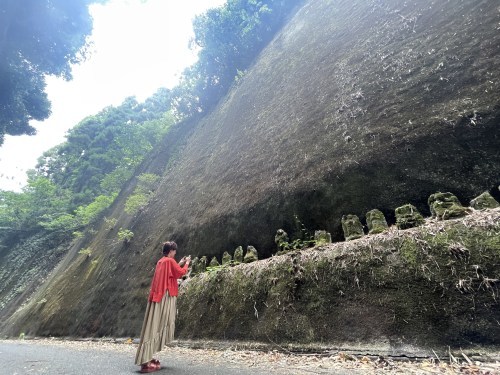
point(159, 321)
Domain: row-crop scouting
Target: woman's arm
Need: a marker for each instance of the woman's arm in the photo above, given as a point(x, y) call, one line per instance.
point(178, 270)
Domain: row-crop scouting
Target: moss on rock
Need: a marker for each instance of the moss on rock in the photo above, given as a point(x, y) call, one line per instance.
point(281, 240)
point(214, 262)
point(195, 266)
point(352, 227)
point(322, 237)
point(446, 206)
point(484, 201)
point(202, 266)
point(226, 258)
point(408, 216)
point(375, 220)
point(251, 255)
point(238, 254)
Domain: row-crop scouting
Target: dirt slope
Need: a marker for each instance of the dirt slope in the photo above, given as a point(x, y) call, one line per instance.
point(354, 105)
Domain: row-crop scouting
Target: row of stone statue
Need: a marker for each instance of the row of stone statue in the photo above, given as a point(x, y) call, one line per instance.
point(443, 206)
point(199, 265)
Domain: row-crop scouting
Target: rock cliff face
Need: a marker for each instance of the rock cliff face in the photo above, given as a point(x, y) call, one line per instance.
point(355, 105)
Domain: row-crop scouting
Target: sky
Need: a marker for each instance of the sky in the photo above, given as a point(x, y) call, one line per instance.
point(138, 47)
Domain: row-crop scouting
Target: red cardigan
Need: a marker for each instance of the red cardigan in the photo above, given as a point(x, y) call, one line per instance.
point(166, 274)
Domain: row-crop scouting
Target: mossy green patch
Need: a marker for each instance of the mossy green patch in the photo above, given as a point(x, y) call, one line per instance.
point(352, 227)
point(375, 220)
point(214, 262)
point(238, 254)
point(322, 237)
point(226, 258)
point(483, 201)
point(446, 206)
point(251, 255)
point(409, 252)
point(408, 216)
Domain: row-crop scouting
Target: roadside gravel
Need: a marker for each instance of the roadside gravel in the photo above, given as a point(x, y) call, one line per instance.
point(278, 362)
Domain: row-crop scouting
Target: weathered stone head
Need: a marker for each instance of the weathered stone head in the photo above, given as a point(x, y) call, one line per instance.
point(484, 201)
point(446, 206)
point(251, 255)
point(195, 265)
point(352, 227)
point(375, 220)
point(322, 237)
point(407, 216)
point(238, 255)
point(226, 258)
point(203, 264)
point(214, 262)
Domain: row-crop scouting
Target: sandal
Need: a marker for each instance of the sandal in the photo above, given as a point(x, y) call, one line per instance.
point(156, 363)
point(149, 367)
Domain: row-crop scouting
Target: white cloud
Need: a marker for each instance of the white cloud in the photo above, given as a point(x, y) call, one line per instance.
point(139, 46)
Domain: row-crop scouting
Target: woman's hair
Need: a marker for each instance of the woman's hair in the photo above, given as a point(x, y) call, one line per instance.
point(168, 246)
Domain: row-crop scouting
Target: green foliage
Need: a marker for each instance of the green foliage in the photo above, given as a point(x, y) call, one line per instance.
point(147, 181)
point(212, 270)
point(125, 235)
point(41, 201)
point(64, 222)
point(110, 223)
point(83, 216)
point(86, 252)
point(102, 152)
point(114, 180)
point(303, 238)
point(229, 38)
point(298, 244)
point(88, 214)
point(135, 202)
point(37, 38)
point(13, 208)
point(76, 181)
point(142, 193)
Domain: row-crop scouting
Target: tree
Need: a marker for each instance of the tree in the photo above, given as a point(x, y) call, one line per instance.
point(229, 38)
point(102, 151)
point(37, 38)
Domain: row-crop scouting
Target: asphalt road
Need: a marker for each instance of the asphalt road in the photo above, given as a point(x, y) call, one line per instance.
point(65, 357)
point(23, 357)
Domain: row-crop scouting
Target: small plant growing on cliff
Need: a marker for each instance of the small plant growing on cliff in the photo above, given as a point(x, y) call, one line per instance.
point(211, 270)
point(86, 252)
point(142, 193)
point(298, 244)
point(135, 202)
point(110, 223)
point(125, 235)
point(303, 238)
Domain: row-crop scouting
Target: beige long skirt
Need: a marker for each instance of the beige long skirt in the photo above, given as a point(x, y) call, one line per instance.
point(157, 329)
